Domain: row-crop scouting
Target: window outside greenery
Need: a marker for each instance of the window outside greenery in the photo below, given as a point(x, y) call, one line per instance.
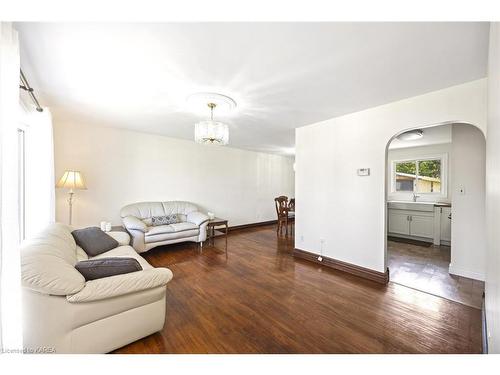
point(418, 176)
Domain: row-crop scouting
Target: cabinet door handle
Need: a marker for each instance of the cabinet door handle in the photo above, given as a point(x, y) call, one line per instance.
point(408, 218)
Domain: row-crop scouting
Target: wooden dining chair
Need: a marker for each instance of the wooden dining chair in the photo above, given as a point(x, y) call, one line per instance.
point(281, 204)
point(291, 214)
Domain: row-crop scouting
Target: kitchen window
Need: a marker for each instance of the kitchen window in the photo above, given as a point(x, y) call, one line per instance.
point(420, 176)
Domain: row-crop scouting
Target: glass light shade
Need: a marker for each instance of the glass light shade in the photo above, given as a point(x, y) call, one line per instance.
point(211, 132)
point(411, 135)
point(71, 180)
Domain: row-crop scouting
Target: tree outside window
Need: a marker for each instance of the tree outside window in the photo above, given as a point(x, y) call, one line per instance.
point(418, 176)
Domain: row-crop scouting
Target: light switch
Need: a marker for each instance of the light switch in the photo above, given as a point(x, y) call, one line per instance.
point(363, 171)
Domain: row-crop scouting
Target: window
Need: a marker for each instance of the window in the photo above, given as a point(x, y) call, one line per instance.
point(423, 176)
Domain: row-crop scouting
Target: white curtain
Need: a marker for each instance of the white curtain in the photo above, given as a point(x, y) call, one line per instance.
point(39, 172)
point(10, 289)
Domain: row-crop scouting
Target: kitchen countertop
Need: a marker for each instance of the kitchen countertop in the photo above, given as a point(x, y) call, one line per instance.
point(442, 204)
point(436, 204)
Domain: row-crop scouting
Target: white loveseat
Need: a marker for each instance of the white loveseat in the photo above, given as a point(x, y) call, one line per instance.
point(137, 219)
point(64, 313)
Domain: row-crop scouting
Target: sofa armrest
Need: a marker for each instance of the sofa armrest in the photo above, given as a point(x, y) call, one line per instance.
point(196, 217)
point(131, 222)
point(122, 238)
point(119, 285)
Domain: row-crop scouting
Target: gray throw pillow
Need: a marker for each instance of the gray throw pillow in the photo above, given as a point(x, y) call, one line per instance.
point(98, 268)
point(164, 220)
point(94, 241)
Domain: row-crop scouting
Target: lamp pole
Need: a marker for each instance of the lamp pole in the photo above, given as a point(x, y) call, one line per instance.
point(70, 201)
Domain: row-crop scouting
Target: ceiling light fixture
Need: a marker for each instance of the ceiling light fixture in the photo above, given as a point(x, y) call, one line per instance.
point(411, 135)
point(210, 131)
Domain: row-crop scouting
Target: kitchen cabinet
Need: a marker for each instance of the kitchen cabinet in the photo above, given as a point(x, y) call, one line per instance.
point(409, 223)
point(420, 221)
point(399, 222)
point(422, 226)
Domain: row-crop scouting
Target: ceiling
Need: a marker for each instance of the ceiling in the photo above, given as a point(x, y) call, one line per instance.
point(282, 75)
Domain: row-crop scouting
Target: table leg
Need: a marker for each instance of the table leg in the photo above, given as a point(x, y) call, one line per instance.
point(227, 230)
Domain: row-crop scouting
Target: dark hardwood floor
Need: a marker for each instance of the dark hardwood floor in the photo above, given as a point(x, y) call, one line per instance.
point(262, 300)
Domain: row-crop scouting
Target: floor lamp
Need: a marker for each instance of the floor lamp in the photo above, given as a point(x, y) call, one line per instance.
point(72, 180)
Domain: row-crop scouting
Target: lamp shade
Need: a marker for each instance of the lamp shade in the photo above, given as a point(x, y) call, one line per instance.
point(211, 132)
point(71, 180)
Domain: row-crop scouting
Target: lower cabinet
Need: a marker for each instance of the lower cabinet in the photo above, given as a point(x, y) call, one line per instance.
point(411, 223)
point(422, 226)
point(399, 223)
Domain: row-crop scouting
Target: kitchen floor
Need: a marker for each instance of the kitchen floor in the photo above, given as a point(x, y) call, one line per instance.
point(425, 268)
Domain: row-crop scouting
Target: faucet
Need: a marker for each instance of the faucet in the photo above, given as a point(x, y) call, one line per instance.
point(415, 196)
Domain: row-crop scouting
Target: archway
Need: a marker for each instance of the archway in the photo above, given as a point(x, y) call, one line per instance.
point(436, 176)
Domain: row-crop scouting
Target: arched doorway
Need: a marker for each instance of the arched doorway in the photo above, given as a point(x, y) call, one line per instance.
point(435, 214)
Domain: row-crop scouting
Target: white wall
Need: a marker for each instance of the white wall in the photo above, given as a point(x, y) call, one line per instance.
point(122, 167)
point(493, 193)
point(418, 152)
point(468, 225)
point(349, 211)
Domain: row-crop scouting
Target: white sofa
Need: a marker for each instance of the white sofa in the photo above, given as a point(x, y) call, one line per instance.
point(65, 314)
point(137, 219)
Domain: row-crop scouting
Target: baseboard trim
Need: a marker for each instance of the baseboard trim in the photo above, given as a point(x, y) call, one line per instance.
point(415, 238)
point(366, 273)
point(252, 225)
point(454, 270)
point(484, 326)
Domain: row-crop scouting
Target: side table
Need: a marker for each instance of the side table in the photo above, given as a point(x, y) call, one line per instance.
point(213, 232)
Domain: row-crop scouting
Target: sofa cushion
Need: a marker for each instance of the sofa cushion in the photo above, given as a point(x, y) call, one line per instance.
point(94, 241)
point(173, 235)
point(180, 227)
point(164, 220)
point(124, 252)
point(171, 228)
point(98, 268)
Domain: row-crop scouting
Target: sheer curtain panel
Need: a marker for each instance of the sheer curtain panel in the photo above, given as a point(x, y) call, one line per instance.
point(10, 288)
